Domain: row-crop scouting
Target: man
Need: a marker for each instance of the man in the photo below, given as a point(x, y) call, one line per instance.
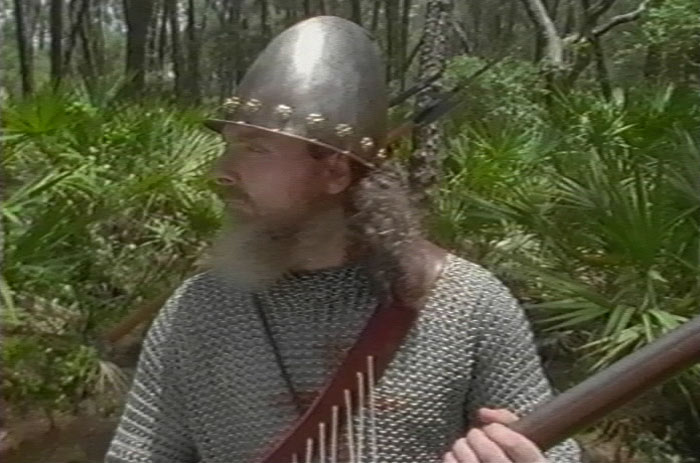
point(321, 231)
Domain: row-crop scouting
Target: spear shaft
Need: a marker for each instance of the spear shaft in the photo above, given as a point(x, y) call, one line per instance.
point(587, 402)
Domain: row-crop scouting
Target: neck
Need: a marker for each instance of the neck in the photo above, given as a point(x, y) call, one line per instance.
point(324, 242)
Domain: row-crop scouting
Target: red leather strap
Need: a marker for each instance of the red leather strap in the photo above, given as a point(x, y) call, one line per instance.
point(380, 339)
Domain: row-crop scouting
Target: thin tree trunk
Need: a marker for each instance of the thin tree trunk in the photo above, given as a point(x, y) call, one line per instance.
point(56, 41)
point(193, 90)
point(509, 32)
point(42, 26)
point(601, 69)
point(424, 164)
point(356, 14)
point(233, 71)
point(75, 29)
point(100, 38)
point(88, 62)
point(477, 25)
point(403, 46)
point(375, 16)
point(391, 15)
point(322, 6)
point(553, 48)
point(152, 40)
point(307, 8)
point(138, 17)
point(652, 62)
point(24, 46)
point(162, 39)
point(175, 49)
point(264, 21)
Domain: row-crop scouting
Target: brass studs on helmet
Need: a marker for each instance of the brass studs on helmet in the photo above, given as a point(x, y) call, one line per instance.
point(283, 112)
point(343, 130)
point(253, 105)
point(231, 104)
point(314, 119)
point(367, 144)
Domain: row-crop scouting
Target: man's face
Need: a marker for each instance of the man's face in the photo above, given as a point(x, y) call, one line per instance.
point(272, 179)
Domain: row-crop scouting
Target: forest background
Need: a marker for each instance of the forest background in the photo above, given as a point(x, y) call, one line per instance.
point(570, 167)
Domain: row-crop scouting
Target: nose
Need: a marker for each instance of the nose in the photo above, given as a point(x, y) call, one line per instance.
point(224, 173)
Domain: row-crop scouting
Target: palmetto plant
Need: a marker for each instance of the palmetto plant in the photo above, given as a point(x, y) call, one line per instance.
point(104, 206)
point(598, 228)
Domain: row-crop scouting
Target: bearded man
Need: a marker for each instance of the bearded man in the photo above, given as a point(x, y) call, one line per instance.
point(321, 231)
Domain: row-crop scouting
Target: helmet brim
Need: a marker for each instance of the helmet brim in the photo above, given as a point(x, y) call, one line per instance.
point(217, 125)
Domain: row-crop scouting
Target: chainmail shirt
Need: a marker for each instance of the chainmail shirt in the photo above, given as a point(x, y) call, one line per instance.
point(209, 388)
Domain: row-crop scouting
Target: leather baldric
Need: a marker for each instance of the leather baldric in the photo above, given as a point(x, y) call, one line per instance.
point(379, 340)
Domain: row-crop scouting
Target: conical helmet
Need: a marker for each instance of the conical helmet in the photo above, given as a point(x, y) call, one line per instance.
point(322, 80)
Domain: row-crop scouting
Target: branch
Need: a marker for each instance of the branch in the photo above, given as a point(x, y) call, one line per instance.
point(621, 19)
point(545, 27)
point(601, 7)
point(462, 35)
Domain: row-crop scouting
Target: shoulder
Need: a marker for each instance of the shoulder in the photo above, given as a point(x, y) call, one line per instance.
point(470, 290)
point(464, 278)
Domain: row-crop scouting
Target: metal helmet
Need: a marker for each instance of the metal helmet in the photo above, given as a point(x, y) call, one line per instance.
point(322, 80)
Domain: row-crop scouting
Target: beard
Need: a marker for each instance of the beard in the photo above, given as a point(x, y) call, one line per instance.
point(381, 227)
point(254, 254)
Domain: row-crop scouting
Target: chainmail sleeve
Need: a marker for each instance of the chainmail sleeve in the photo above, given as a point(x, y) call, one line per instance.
point(508, 372)
point(152, 427)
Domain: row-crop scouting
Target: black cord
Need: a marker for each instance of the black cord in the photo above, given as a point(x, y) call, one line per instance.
point(278, 355)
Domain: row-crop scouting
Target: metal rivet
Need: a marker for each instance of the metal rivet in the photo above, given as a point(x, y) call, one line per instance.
point(253, 105)
point(231, 104)
point(314, 119)
point(283, 111)
point(343, 130)
point(367, 143)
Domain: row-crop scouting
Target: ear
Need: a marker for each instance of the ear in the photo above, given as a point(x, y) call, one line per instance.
point(337, 173)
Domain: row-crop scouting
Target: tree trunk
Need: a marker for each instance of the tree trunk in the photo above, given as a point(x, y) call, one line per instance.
point(391, 14)
point(88, 64)
point(75, 29)
point(375, 16)
point(99, 39)
point(264, 21)
point(138, 17)
point(601, 69)
point(403, 46)
point(25, 53)
point(652, 62)
point(162, 42)
point(231, 72)
point(424, 164)
point(553, 46)
point(356, 14)
point(193, 91)
point(175, 49)
point(56, 28)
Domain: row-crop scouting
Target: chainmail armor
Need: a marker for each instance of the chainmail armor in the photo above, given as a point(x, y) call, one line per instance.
point(208, 387)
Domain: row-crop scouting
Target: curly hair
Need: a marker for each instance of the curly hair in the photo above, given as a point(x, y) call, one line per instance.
point(384, 220)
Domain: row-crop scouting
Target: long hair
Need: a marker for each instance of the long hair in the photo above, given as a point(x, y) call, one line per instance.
point(383, 220)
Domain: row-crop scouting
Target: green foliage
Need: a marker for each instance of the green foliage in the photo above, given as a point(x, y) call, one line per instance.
point(506, 92)
point(673, 25)
point(592, 213)
point(106, 204)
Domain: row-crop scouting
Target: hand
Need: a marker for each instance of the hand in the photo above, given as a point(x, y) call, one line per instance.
point(494, 442)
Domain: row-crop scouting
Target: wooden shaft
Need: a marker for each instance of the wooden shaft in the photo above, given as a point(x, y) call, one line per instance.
point(587, 402)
